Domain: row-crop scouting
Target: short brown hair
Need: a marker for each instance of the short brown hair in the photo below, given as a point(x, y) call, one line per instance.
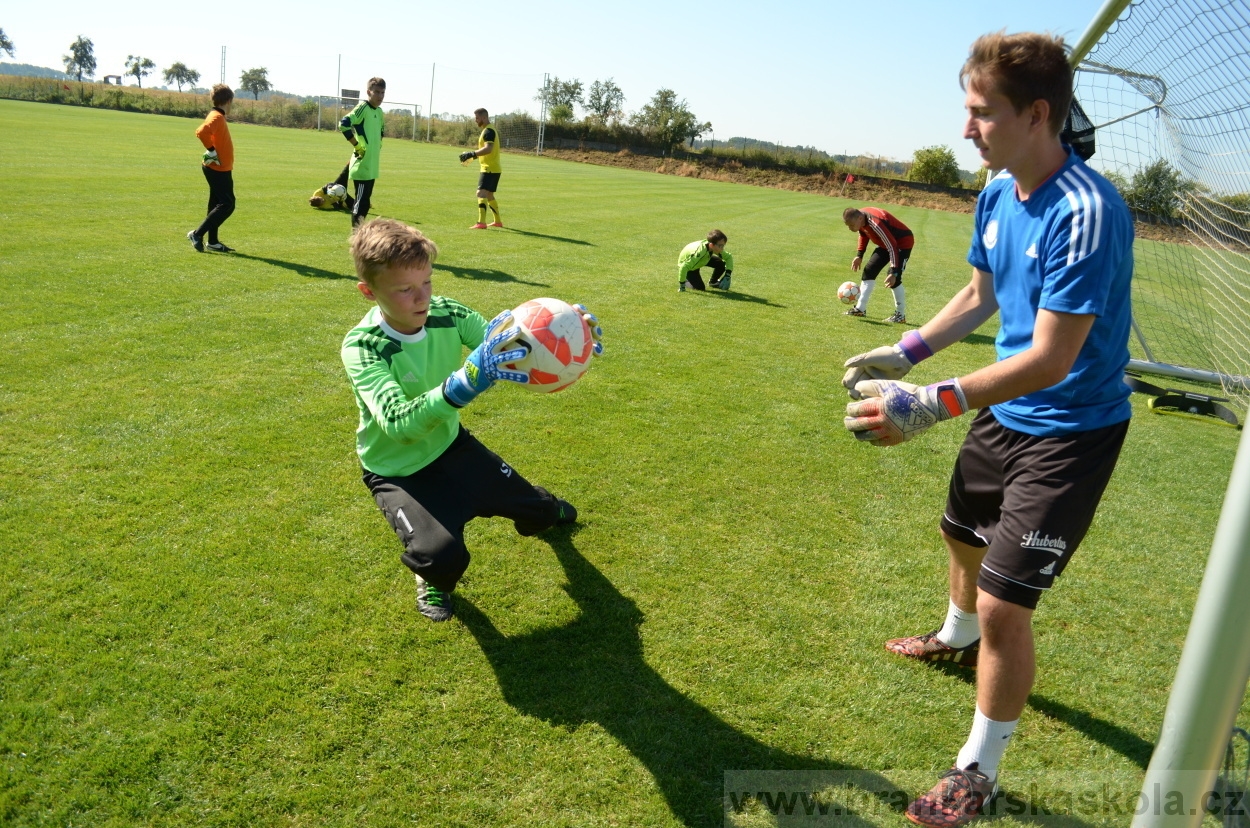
point(481, 111)
point(850, 213)
point(376, 83)
point(222, 94)
point(716, 237)
point(384, 243)
point(1024, 68)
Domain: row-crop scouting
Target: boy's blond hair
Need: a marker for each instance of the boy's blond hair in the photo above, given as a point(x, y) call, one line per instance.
point(222, 94)
point(385, 243)
point(1023, 68)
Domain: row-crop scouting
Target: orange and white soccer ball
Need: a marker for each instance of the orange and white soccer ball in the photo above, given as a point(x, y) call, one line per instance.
point(849, 293)
point(560, 344)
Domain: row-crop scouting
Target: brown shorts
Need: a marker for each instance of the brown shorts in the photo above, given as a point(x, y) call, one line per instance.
point(1030, 500)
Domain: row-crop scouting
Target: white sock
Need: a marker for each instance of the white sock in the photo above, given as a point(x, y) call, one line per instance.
point(865, 290)
point(986, 744)
point(899, 301)
point(961, 628)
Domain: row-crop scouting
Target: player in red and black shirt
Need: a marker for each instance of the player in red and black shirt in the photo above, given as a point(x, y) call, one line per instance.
point(894, 242)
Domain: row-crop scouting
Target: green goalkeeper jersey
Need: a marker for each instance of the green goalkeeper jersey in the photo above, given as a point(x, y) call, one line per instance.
point(405, 423)
point(696, 255)
point(367, 123)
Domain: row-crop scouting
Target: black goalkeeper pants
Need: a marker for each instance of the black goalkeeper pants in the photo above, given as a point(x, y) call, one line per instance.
point(220, 202)
point(718, 270)
point(364, 194)
point(429, 509)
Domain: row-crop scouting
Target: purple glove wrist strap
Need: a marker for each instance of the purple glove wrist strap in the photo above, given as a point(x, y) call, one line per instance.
point(914, 347)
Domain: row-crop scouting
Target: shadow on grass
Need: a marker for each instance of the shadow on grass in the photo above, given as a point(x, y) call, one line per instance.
point(1129, 745)
point(486, 275)
point(298, 267)
point(738, 296)
point(593, 670)
point(545, 236)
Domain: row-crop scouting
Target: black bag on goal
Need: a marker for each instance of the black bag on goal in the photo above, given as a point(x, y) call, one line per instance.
point(1078, 131)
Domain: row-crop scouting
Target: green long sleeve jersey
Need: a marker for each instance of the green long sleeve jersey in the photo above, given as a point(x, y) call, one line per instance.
point(368, 125)
point(696, 255)
point(405, 422)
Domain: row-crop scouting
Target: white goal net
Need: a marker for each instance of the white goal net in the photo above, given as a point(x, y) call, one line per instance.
point(1167, 87)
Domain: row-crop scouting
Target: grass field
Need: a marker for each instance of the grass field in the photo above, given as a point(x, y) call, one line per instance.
point(205, 620)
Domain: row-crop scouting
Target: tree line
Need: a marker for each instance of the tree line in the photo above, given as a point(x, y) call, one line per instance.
point(664, 121)
point(80, 63)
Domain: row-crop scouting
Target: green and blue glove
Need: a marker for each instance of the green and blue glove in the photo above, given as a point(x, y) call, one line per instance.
point(891, 412)
point(889, 362)
point(483, 367)
point(592, 322)
point(466, 155)
point(210, 157)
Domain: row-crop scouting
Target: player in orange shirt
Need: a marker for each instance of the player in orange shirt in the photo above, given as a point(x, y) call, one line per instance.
point(218, 162)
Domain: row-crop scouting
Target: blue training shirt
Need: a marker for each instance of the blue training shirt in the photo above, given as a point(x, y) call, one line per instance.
point(1068, 249)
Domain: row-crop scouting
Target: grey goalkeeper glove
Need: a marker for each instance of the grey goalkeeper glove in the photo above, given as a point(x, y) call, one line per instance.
point(889, 362)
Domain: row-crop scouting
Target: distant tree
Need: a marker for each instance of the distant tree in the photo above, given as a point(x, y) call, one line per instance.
point(255, 81)
point(668, 120)
point(81, 58)
point(6, 45)
point(935, 165)
point(1158, 190)
point(560, 114)
point(980, 178)
point(558, 93)
point(606, 101)
point(140, 67)
point(180, 74)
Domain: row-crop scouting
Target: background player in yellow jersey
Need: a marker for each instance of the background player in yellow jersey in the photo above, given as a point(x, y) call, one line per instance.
point(487, 154)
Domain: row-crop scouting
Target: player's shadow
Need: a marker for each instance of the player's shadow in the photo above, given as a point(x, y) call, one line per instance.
point(739, 296)
point(592, 669)
point(1124, 742)
point(563, 239)
point(298, 267)
point(486, 275)
point(978, 339)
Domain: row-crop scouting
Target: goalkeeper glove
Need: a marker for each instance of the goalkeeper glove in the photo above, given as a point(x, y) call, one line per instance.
point(210, 157)
point(890, 413)
point(359, 149)
point(889, 362)
point(592, 322)
point(484, 364)
point(466, 155)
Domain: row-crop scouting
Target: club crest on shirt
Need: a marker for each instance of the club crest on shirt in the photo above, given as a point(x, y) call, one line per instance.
point(990, 236)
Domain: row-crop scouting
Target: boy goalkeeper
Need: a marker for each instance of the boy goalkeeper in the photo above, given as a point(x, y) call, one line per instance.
point(362, 127)
point(427, 473)
point(709, 252)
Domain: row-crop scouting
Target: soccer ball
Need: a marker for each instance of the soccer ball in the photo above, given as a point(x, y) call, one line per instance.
point(560, 344)
point(848, 293)
point(336, 190)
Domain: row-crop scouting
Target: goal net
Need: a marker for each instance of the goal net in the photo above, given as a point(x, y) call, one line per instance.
point(1167, 88)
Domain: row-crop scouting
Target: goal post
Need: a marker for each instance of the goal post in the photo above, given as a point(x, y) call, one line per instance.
point(1166, 84)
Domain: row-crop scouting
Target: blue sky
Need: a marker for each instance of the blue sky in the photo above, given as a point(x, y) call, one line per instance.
point(874, 78)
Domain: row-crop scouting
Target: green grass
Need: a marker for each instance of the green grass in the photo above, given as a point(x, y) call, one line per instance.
point(205, 618)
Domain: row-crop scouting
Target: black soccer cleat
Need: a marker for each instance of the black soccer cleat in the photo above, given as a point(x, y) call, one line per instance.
point(432, 602)
point(218, 247)
point(196, 242)
point(568, 512)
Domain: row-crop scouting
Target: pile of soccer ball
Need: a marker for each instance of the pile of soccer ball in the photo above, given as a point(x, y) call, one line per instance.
point(560, 344)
